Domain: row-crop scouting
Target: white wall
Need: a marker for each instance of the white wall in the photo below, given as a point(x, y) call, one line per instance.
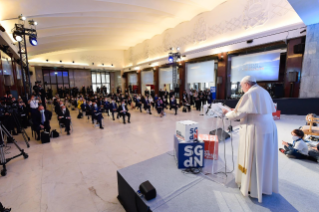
point(228, 24)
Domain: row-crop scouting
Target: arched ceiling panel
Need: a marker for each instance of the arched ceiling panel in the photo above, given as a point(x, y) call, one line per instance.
point(64, 25)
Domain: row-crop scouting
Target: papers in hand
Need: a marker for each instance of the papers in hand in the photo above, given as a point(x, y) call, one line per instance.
point(215, 110)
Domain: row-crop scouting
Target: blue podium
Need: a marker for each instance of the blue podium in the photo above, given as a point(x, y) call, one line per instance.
point(188, 154)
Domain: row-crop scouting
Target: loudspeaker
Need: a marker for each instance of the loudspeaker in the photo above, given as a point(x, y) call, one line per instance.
point(249, 41)
point(220, 133)
point(299, 48)
point(292, 76)
point(148, 190)
point(31, 73)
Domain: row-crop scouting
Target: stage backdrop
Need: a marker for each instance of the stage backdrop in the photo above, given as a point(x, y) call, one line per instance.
point(263, 66)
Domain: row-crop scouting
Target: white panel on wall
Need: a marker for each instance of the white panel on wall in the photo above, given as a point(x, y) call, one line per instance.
point(132, 79)
point(6, 64)
point(165, 76)
point(200, 72)
point(147, 78)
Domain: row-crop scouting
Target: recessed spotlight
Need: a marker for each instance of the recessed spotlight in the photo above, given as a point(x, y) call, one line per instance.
point(111, 64)
point(178, 49)
point(102, 64)
point(73, 61)
point(60, 61)
point(92, 64)
point(47, 60)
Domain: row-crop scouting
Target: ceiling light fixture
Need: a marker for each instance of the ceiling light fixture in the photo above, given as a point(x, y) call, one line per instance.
point(47, 60)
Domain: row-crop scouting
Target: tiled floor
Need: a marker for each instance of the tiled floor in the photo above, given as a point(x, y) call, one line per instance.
point(78, 172)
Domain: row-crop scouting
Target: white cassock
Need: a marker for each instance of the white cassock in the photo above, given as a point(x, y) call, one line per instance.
point(258, 143)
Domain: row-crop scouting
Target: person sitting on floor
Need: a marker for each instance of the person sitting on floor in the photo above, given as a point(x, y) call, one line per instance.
point(65, 118)
point(123, 111)
point(298, 149)
point(41, 120)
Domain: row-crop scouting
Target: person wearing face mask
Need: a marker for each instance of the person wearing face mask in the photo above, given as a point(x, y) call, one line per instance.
point(298, 148)
point(34, 104)
point(106, 106)
point(173, 104)
point(123, 111)
point(88, 111)
point(97, 114)
point(138, 103)
point(147, 105)
point(41, 120)
point(113, 108)
point(22, 111)
point(65, 118)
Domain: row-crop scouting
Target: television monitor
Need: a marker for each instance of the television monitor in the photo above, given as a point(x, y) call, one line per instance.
point(263, 66)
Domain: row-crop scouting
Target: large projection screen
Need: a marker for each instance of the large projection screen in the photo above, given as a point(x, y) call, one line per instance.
point(263, 66)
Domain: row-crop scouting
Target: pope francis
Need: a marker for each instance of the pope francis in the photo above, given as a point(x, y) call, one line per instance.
point(257, 170)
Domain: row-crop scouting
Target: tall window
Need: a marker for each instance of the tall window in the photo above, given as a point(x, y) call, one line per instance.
point(100, 79)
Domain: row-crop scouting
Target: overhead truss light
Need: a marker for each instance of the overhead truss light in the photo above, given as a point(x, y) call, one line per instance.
point(22, 18)
point(17, 36)
point(32, 22)
point(33, 40)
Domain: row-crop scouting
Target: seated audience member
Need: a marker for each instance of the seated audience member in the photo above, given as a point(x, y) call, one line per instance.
point(314, 153)
point(298, 149)
point(97, 114)
point(160, 107)
point(123, 111)
point(41, 120)
point(129, 101)
point(173, 104)
point(186, 102)
point(22, 111)
point(34, 104)
point(138, 103)
point(65, 118)
point(106, 106)
point(151, 100)
point(113, 108)
point(88, 111)
point(165, 101)
point(147, 105)
point(83, 106)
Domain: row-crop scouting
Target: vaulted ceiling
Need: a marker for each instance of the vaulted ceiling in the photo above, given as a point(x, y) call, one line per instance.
point(69, 26)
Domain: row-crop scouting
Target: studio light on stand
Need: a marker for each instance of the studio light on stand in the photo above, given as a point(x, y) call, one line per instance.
point(19, 34)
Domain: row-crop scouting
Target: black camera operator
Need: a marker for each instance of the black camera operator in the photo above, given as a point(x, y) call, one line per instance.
point(6, 118)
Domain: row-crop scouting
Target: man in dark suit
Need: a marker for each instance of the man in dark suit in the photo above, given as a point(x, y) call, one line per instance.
point(22, 111)
point(88, 111)
point(41, 120)
point(147, 105)
point(123, 111)
point(97, 114)
point(106, 106)
point(113, 108)
point(173, 104)
point(42, 95)
point(65, 118)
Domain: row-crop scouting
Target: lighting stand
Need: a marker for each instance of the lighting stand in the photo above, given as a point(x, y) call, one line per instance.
point(173, 58)
point(3, 159)
point(22, 31)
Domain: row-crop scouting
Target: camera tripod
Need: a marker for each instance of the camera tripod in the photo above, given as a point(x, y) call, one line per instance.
point(18, 124)
point(3, 159)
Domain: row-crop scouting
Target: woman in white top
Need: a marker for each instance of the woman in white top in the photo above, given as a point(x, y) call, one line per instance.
point(298, 148)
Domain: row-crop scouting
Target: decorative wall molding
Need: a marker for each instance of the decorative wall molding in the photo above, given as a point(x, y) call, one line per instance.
point(227, 21)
